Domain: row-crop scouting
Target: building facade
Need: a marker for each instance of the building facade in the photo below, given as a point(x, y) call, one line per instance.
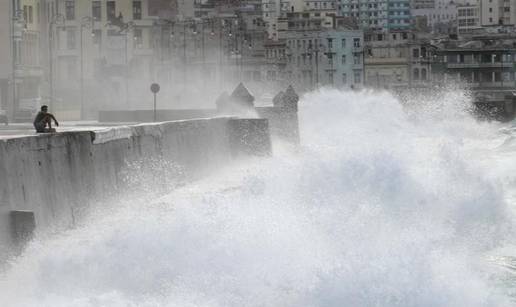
point(328, 58)
point(440, 18)
point(398, 59)
point(484, 64)
point(22, 77)
point(378, 15)
point(6, 66)
point(101, 55)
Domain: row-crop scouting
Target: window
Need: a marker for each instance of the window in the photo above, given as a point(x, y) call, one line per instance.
point(356, 58)
point(330, 43)
point(343, 43)
point(111, 10)
point(330, 77)
point(97, 37)
point(356, 42)
point(70, 9)
point(343, 59)
point(344, 78)
point(96, 10)
point(138, 38)
point(415, 53)
point(423, 73)
point(330, 59)
point(137, 10)
point(31, 15)
point(416, 74)
point(25, 12)
point(357, 76)
point(70, 39)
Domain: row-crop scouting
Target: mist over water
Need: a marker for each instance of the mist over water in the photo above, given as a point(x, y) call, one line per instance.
point(381, 206)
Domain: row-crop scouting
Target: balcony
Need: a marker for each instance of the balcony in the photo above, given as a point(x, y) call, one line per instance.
point(479, 65)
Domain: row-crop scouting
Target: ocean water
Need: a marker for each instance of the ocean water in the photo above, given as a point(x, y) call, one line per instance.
point(386, 203)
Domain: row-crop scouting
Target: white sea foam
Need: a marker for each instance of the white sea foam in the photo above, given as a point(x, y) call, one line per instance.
point(382, 206)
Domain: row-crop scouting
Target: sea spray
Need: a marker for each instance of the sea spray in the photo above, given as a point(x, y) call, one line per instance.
point(378, 208)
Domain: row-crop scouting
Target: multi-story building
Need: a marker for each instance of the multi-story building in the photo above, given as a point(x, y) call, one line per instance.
point(331, 57)
point(423, 4)
point(396, 59)
point(497, 13)
point(6, 63)
point(485, 65)
point(378, 14)
point(275, 61)
point(101, 55)
point(468, 18)
point(21, 71)
point(274, 10)
point(440, 18)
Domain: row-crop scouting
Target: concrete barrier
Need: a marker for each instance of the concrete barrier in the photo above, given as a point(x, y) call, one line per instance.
point(282, 115)
point(55, 176)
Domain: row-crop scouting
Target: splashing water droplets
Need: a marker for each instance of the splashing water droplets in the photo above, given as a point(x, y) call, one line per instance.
point(380, 207)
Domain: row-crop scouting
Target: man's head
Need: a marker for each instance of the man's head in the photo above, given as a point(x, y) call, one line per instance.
point(44, 108)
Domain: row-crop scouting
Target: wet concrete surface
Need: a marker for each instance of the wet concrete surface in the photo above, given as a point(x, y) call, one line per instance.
point(14, 130)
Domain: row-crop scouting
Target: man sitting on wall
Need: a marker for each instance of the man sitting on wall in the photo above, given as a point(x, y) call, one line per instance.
point(43, 119)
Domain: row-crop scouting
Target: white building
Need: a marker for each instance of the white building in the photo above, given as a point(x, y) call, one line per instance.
point(102, 55)
point(331, 57)
point(468, 18)
point(442, 14)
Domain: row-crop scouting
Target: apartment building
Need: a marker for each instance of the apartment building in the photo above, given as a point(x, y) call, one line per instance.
point(333, 57)
point(440, 18)
point(102, 53)
point(396, 59)
point(22, 78)
point(378, 14)
point(485, 65)
point(6, 66)
point(468, 18)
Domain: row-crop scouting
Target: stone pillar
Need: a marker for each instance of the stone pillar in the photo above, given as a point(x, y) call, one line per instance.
point(239, 102)
point(249, 137)
point(284, 118)
point(23, 225)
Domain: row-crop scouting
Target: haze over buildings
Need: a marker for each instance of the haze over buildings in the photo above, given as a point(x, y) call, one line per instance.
point(84, 56)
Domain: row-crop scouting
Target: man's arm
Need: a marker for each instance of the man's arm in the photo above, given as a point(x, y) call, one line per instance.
point(55, 120)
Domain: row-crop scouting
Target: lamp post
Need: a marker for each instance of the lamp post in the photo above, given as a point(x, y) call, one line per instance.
point(56, 20)
point(86, 22)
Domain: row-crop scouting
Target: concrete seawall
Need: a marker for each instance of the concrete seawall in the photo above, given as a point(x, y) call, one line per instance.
point(282, 115)
point(54, 176)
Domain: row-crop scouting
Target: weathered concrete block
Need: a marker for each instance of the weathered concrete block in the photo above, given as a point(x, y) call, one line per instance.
point(239, 102)
point(52, 179)
point(249, 137)
point(23, 225)
point(287, 100)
